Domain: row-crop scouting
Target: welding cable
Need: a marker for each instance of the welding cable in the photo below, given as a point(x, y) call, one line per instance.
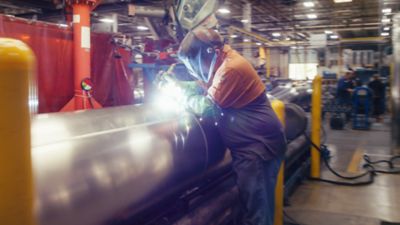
point(370, 170)
point(291, 220)
point(390, 163)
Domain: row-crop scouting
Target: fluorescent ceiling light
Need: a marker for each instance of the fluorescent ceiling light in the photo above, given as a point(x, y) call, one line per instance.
point(342, 1)
point(386, 28)
point(293, 47)
point(308, 4)
point(334, 36)
point(311, 16)
point(258, 44)
point(288, 39)
point(142, 28)
point(244, 21)
point(276, 34)
point(387, 10)
point(246, 40)
point(233, 36)
point(385, 20)
point(106, 20)
point(62, 25)
point(328, 32)
point(384, 34)
point(224, 11)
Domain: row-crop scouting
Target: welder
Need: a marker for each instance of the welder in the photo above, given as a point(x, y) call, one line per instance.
point(235, 96)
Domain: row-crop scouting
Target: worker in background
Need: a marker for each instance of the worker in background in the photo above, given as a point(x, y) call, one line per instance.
point(235, 95)
point(378, 96)
point(345, 87)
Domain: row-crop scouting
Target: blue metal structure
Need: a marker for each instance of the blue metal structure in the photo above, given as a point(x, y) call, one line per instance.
point(362, 97)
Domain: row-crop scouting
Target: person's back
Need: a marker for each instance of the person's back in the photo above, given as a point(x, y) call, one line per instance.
point(344, 89)
point(378, 90)
point(377, 87)
point(246, 121)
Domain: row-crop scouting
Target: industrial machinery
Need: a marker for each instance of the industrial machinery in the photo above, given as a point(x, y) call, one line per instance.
point(362, 98)
point(139, 165)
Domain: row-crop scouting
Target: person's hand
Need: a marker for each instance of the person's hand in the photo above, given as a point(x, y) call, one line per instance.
point(162, 78)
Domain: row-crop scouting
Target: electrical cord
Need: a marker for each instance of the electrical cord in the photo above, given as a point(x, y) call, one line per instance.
point(371, 170)
point(325, 158)
point(291, 220)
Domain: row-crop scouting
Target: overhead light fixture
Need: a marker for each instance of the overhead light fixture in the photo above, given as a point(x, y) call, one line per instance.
point(224, 11)
point(386, 28)
point(244, 21)
point(387, 10)
point(311, 16)
point(342, 1)
point(385, 20)
point(233, 36)
point(328, 32)
point(288, 39)
point(384, 34)
point(246, 40)
point(308, 4)
point(106, 20)
point(142, 27)
point(334, 36)
point(276, 34)
point(275, 39)
point(293, 47)
point(259, 44)
point(62, 25)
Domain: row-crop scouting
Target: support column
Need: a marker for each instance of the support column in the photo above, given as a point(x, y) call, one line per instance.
point(81, 62)
point(268, 62)
point(395, 86)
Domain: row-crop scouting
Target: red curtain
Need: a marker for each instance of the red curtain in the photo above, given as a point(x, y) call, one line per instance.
point(52, 46)
point(109, 66)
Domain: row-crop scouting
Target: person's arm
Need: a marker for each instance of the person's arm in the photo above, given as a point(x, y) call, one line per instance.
point(201, 105)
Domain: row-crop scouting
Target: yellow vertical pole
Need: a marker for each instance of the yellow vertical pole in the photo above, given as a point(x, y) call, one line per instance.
point(268, 62)
point(16, 184)
point(279, 108)
point(316, 126)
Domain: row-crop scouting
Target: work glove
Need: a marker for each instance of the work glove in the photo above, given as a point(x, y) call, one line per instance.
point(203, 106)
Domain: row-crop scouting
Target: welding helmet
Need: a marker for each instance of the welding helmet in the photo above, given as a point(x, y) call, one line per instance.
point(199, 51)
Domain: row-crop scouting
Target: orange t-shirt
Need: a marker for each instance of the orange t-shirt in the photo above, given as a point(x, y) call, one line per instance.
point(235, 83)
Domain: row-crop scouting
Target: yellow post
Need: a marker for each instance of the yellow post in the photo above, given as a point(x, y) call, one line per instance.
point(316, 126)
point(16, 184)
point(279, 108)
point(268, 62)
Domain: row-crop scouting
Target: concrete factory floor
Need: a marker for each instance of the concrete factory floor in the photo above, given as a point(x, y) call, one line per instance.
point(316, 203)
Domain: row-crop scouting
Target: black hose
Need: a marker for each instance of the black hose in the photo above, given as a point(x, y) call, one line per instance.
point(370, 172)
point(291, 220)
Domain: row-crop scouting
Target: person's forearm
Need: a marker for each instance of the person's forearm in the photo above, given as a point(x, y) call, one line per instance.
point(201, 105)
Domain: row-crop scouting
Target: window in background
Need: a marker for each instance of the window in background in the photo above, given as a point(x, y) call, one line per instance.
point(302, 71)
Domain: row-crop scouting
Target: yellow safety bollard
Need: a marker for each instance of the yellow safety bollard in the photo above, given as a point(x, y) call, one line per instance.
point(279, 108)
point(316, 127)
point(16, 184)
point(268, 62)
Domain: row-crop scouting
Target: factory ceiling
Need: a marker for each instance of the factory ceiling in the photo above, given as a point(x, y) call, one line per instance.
point(270, 20)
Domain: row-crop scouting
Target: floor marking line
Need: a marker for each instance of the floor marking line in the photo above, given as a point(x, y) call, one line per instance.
point(354, 164)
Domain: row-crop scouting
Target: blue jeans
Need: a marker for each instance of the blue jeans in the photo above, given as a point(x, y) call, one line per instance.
point(256, 180)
